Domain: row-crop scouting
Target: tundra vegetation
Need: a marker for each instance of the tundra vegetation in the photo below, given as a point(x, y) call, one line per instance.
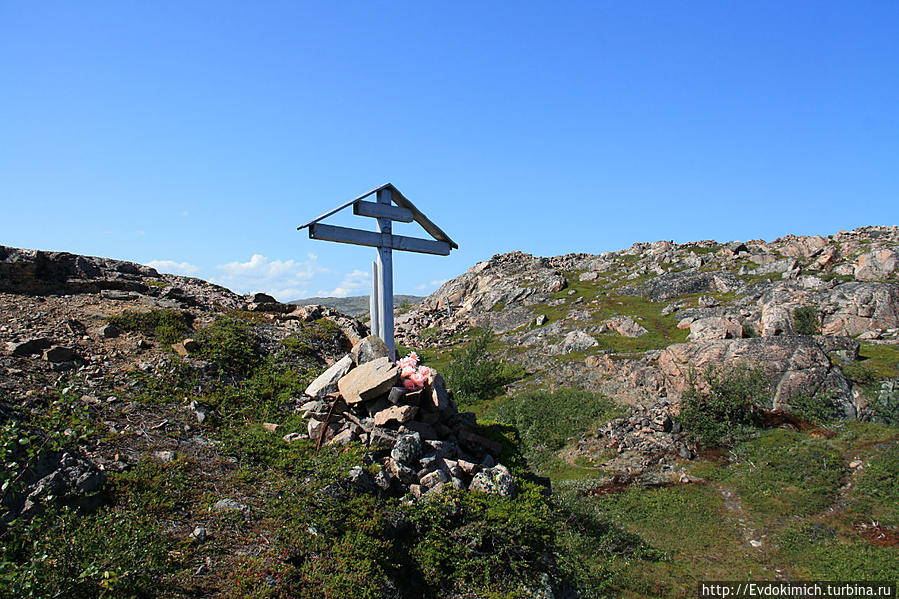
point(583, 369)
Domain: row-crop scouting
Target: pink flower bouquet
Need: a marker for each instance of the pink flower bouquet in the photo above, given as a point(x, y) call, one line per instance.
point(414, 376)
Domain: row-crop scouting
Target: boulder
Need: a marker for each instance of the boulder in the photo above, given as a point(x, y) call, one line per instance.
point(795, 363)
point(263, 298)
point(876, 265)
point(407, 449)
point(28, 347)
point(369, 380)
point(576, 340)
point(109, 331)
point(715, 327)
point(58, 353)
point(497, 480)
point(368, 349)
point(326, 383)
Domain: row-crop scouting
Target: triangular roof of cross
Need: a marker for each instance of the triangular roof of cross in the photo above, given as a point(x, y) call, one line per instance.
point(400, 200)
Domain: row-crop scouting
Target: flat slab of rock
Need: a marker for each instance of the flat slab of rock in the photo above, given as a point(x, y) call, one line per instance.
point(26, 348)
point(401, 414)
point(369, 380)
point(327, 381)
point(58, 353)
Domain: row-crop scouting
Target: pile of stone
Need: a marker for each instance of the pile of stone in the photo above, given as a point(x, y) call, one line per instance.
point(418, 437)
point(650, 434)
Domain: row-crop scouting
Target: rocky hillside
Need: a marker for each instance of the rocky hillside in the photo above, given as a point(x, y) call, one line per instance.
point(357, 305)
point(819, 314)
point(165, 437)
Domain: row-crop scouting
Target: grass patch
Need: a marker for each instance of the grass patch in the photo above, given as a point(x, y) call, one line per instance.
point(877, 487)
point(784, 473)
point(166, 325)
point(882, 360)
point(819, 551)
point(688, 524)
point(545, 421)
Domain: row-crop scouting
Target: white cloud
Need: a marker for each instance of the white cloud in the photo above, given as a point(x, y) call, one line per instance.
point(433, 285)
point(352, 284)
point(175, 268)
point(284, 279)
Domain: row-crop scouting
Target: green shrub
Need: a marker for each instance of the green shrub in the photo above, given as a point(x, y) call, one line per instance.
point(120, 550)
point(474, 376)
point(166, 325)
point(723, 407)
point(749, 330)
point(817, 408)
point(806, 320)
point(230, 343)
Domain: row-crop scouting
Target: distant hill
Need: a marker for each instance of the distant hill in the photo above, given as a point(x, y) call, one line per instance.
point(355, 305)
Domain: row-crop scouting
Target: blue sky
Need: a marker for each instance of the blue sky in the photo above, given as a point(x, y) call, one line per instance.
point(196, 136)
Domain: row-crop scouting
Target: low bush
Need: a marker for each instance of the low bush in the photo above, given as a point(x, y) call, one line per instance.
point(473, 376)
point(230, 343)
point(722, 407)
point(816, 408)
point(166, 325)
point(806, 320)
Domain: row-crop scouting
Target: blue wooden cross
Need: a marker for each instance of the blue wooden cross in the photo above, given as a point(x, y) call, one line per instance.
point(391, 206)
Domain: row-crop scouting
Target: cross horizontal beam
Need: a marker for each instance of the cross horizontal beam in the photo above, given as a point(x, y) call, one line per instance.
point(372, 239)
point(382, 211)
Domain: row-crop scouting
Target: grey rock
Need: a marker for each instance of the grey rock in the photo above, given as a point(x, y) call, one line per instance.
point(199, 534)
point(368, 349)
point(574, 341)
point(164, 456)
point(497, 480)
point(396, 395)
point(201, 411)
point(58, 353)
point(326, 383)
point(232, 505)
point(29, 347)
point(407, 449)
point(361, 480)
point(368, 381)
point(433, 478)
point(381, 480)
point(115, 294)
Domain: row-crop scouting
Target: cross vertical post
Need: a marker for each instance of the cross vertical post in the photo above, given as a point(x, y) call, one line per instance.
point(374, 303)
point(385, 280)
